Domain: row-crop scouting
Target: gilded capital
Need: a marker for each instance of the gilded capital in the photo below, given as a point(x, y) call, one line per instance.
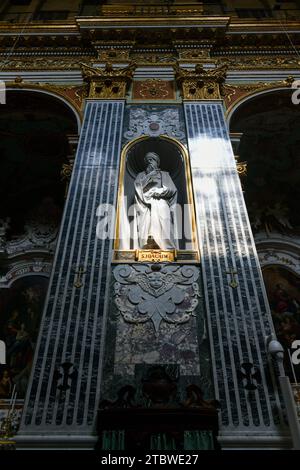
point(200, 84)
point(107, 83)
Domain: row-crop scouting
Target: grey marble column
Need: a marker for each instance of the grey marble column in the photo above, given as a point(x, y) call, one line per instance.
point(64, 388)
point(237, 308)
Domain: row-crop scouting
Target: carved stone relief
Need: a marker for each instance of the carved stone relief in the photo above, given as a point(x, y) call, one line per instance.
point(157, 293)
point(36, 236)
point(154, 123)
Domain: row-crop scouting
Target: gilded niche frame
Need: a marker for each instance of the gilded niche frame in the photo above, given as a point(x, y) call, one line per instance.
point(148, 255)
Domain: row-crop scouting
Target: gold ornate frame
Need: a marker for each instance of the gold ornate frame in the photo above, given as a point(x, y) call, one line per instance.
point(186, 256)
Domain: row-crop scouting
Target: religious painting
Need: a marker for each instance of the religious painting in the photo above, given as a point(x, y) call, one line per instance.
point(283, 289)
point(20, 313)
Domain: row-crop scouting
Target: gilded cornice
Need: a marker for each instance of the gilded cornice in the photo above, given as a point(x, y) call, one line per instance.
point(113, 55)
point(51, 27)
point(92, 35)
point(154, 59)
point(232, 94)
point(200, 84)
point(43, 63)
point(195, 55)
point(254, 50)
point(151, 9)
point(109, 82)
point(160, 59)
point(260, 62)
point(72, 27)
point(156, 21)
point(247, 26)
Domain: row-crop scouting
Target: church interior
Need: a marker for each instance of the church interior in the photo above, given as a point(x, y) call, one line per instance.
point(116, 340)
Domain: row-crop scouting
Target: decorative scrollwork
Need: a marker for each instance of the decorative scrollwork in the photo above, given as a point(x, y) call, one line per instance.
point(200, 84)
point(157, 293)
point(107, 82)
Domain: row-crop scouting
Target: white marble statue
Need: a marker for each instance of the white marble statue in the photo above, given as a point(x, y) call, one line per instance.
point(155, 204)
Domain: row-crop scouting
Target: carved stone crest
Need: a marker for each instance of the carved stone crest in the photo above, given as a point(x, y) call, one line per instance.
point(154, 123)
point(156, 292)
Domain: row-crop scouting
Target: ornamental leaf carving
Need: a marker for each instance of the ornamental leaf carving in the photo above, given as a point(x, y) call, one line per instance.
point(156, 293)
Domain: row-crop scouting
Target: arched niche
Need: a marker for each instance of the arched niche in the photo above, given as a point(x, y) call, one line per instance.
point(35, 128)
point(283, 290)
point(280, 250)
point(21, 308)
point(44, 95)
point(249, 99)
point(173, 160)
point(268, 124)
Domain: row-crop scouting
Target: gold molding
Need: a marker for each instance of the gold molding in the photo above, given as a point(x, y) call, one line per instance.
point(200, 84)
point(246, 26)
point(195, 55)
point(153, 89)
point(51, 27)
point(235, 25)
point(59, 90)
point(153, 58)
point(187, 25)
point(107, 83)
point(251, 89)
point(249, 62)
point(241, 167)
point(44, 63)
point(113, 54)
point(180, 256)
point(151, 9)
point(189, 187)
point(93, 23)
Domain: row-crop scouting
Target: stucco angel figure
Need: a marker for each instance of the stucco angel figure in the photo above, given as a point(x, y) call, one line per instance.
point(155, 204)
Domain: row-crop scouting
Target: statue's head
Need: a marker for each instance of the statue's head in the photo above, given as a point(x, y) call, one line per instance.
point(152, 158)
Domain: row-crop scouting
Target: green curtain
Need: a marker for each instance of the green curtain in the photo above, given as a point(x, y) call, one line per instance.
point(113, 440)
point(198, 440)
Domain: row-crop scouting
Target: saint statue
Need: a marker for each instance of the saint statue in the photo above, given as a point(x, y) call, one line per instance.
point(155, 204)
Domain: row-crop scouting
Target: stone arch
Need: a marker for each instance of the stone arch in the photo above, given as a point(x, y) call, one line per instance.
point(265, 128)
point(38, 131)
point(234, 107)
point(283, 290)
point(54, 94)
point(20, 268)
point(280, 251)
point(21, 311)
